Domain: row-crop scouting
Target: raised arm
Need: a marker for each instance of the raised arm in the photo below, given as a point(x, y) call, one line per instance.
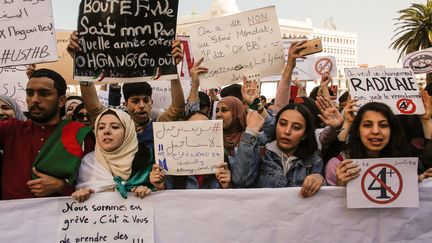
point(88, 89)
point(193, 99)
point(177, 108)
point(284, 88)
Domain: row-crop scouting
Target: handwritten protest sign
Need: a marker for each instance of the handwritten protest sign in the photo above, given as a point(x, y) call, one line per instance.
point(419, 61)
point(64, 64)
point(188, 148)
point(26, 32)
point(13, 82)
point(161, 93)
point(384, 182)
point(103, 97)
point(395, 87)
point(126, 40)
point(248, 44)
point(105, 219)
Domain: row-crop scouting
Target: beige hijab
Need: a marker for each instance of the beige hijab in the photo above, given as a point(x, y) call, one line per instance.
point(119, 161)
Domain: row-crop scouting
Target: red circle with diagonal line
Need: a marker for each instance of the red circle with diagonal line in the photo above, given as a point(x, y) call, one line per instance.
point(371, 173)
point(323, 65)
point(408, 104)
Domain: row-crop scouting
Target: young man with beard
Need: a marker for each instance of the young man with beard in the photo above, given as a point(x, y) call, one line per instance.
point(42, 154)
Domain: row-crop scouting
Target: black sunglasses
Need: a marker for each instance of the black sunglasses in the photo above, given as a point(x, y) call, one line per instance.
point(81, 116)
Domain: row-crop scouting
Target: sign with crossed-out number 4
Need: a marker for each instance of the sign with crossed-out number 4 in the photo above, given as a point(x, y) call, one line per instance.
point(384, 183)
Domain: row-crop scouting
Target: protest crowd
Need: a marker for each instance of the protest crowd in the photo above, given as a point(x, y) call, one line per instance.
point(302, 141)
point(76, 146)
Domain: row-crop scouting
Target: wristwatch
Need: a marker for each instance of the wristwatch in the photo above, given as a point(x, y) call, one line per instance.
point(85, 83)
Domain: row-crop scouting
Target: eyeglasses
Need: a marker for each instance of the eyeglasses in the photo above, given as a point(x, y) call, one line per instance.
point(81, 116)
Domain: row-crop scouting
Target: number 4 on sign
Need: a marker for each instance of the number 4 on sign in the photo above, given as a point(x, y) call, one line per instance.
point(383, 177)
point(384, 183)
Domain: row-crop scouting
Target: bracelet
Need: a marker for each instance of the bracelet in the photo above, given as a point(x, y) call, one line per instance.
point(85, 83)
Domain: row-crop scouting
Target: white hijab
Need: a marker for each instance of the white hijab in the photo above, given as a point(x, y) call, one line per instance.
point(119, 161)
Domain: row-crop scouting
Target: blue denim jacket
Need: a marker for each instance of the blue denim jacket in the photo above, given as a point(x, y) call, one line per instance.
point(267, 170)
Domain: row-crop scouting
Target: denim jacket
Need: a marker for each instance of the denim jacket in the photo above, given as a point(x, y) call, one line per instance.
point(267, 170)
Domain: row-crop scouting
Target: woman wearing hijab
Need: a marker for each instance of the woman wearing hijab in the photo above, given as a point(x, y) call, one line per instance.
point(114, 164)
point(230, 110)
point(10, 109)
point(71, 103)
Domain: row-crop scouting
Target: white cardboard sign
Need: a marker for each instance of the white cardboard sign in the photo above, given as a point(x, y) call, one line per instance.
point(321, 64)
point(27, 33)
point(161, 93)
point(395, 87)
point(384, 183)
point(188, 148)
point(105, 218)
point(13, 82)
point(419, 61)
point(248, 43)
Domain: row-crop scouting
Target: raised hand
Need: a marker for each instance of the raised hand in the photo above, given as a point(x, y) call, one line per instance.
point(177, 51)
point(330, 115)
point(250, 90)
point(196, 70)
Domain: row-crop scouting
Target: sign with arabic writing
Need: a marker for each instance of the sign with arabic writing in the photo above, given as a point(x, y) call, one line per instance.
point(13, 81)
point(26, 32)
point(188, 148)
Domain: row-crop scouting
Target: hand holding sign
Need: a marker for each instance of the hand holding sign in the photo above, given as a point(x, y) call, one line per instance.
point(346, 171)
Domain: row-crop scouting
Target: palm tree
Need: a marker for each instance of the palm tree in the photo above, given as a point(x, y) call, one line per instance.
point(414, 31)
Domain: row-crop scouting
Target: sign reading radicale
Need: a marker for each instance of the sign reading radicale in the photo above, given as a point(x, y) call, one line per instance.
point(126, 40)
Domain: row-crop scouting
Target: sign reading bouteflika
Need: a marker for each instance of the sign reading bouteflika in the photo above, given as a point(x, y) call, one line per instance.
point(126, 40)
point(26, 32)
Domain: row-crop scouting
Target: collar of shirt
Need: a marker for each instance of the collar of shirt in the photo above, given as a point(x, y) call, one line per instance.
point(286, 161)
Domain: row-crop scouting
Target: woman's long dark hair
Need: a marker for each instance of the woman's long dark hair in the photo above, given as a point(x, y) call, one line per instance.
point(397, 145)
point(308, 145)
